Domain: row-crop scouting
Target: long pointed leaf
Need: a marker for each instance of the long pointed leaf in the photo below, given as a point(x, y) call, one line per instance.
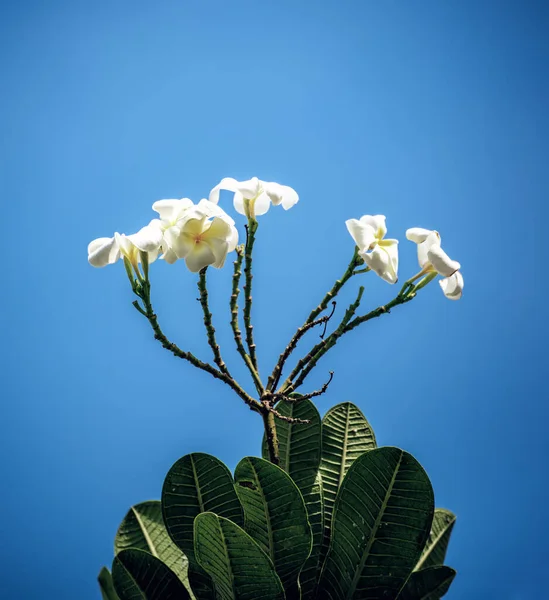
point(300, 449)
point(239, 568)
point(275, 516)
point(138, 575)
point(143, 528)
point(382, 518)
point(428, 584)
point(435, 549)
point(346, 435)
point(105, 585)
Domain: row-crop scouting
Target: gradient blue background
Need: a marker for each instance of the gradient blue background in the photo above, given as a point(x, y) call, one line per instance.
point(433, 113)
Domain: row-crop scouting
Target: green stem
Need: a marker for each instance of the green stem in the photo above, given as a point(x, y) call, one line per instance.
point(277, 371)
point(308, 362)
point(210, 329)
point(234, 320)
point(144, 292)
point(269, 422)
point(251, 229)
point(355, 262)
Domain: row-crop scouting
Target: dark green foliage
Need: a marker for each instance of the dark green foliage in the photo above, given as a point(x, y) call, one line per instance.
point(428, 584)
point(300, 451)
point(346, 435)
point(195, 484)
point(235, 562)
point(275, 516)
point(105, 585)
point(381, 520)
point(434, 552)
point(138, 575)
point(339, 520)
point(144, 529)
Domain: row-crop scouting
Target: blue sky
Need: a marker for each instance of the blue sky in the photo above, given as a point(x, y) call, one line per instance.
point(432, 113)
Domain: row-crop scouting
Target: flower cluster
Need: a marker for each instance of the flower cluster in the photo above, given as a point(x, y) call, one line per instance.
point(432, 260)
point(203, 234)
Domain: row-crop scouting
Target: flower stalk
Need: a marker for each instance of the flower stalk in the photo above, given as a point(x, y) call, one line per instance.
point(210, 329)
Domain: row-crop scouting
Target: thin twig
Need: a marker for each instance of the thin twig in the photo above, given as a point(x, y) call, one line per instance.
point(237, 273)
point(210, 329)
point(334, 304)
point(277, 371)
point(347, 325)
point(320, 348)
point(314, 394)
point(287, 419)
point(307, 363)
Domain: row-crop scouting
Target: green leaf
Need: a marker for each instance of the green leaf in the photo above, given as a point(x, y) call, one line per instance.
point(138, 575)
point(299, 443)
point(434, 552)
point(275, 516)
point(300, 449)
point(308, 578)
point(239, 568)
point(143, 528)
point(346, 435)
point(428, 584)
point(105, 585)
point(381, 521)
point(195, 484)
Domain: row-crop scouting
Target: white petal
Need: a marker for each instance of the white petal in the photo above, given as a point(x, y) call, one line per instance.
point(219, 249)
point(169, 256)
point(233, 239)
point(391, 247)
point(209, 209)
point(179, 243)
point(280, 194)
point(169, 210)
point(452, 286)
point(218, 228)
point(418, 235)
point(102, 252)
point(147, 239)
point(239, 203)
point(442, 263)
point(363, 235)
point(248, 188)
point(201, 256)
point(126, 247)
point(381, 262)
point(377, 223)
point(261, 204)
point(433, 239)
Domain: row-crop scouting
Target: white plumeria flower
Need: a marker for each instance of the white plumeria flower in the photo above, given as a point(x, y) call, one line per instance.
point(433, 259)
point(173, 216)
point(380, 254)
point(200, 241)
point(106, 251)
point(254, 197)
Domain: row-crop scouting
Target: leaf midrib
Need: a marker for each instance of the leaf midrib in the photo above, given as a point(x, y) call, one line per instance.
point(146, 535)
point(289, 443)
point(344, 449)
point(375, 527)
point(433, 545)
point(267, 513)
point(197, 486)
